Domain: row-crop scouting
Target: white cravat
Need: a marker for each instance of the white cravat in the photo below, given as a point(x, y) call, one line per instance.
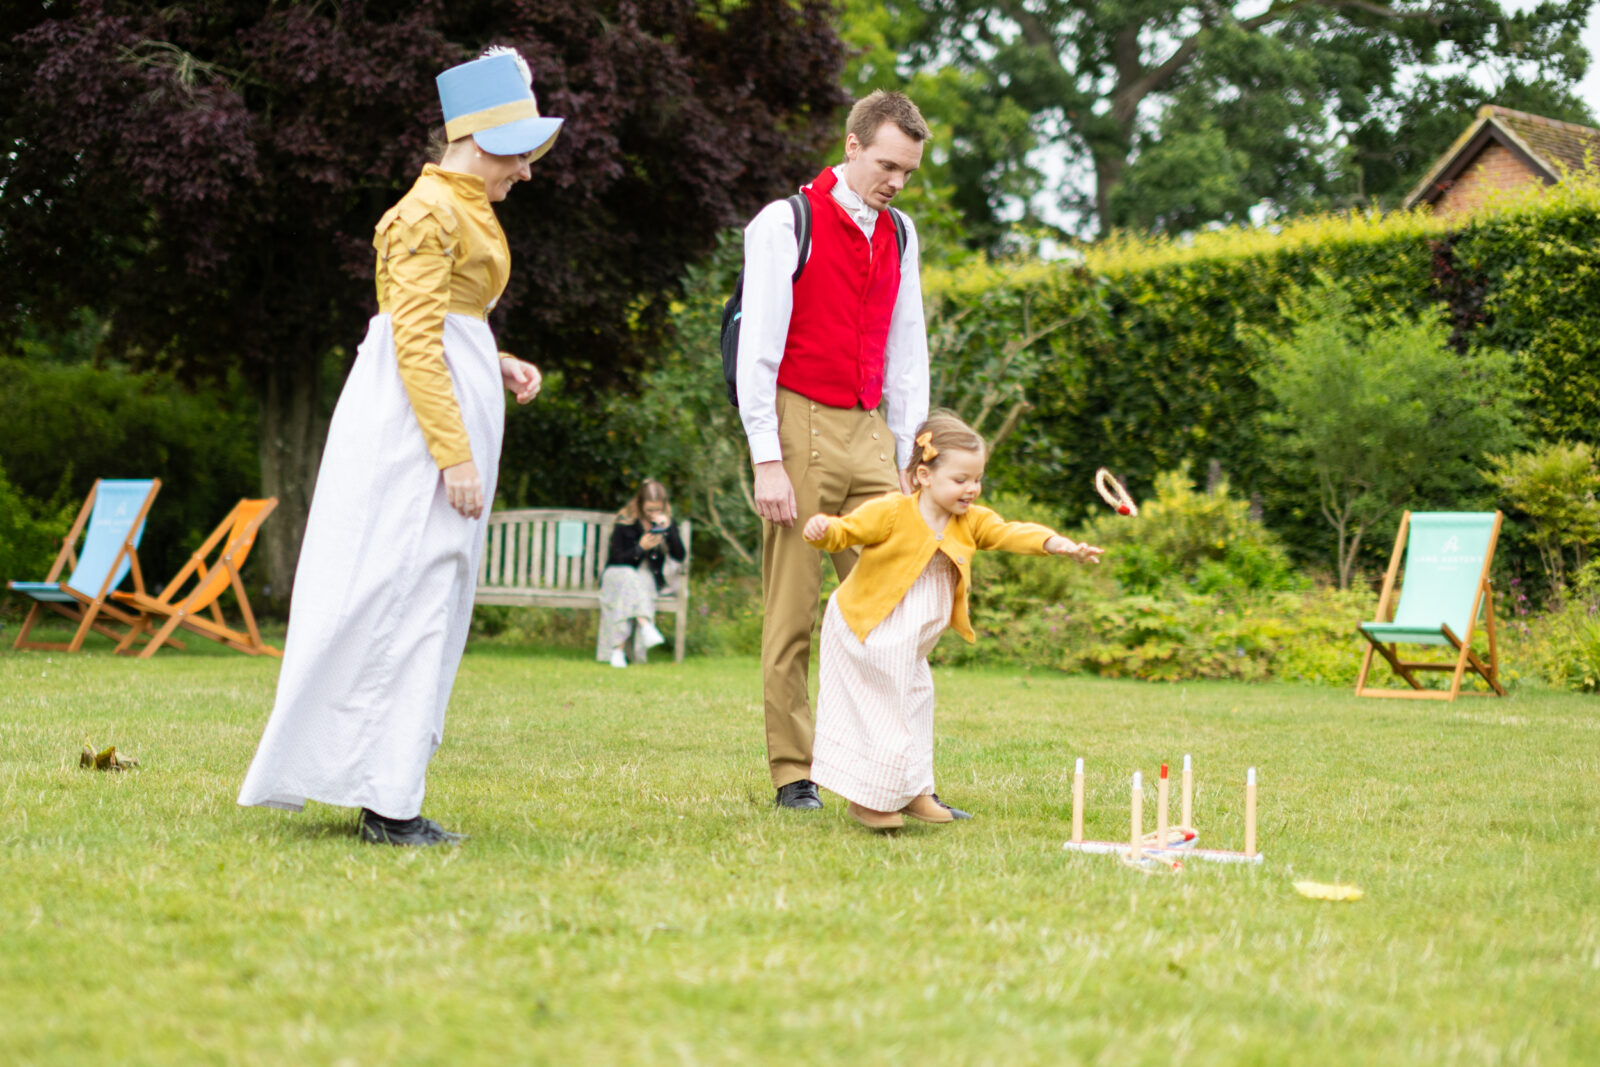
point(857, 208)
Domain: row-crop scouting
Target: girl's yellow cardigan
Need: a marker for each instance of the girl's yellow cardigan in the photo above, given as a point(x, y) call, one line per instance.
point(899, 545)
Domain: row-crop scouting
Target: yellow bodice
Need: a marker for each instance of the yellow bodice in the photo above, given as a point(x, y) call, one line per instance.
point(440, 251)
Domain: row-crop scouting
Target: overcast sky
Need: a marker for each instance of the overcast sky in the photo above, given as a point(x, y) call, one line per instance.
point(1590, 87)
point(1591, 84)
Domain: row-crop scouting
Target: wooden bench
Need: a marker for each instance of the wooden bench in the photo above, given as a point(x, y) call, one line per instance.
point(527, 563)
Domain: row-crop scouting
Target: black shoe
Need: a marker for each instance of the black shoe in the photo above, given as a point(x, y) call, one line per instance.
point(956, 813)
point(801, 796)
point(415, 832)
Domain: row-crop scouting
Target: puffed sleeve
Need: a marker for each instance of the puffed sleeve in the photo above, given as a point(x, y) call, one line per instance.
point(417, 241)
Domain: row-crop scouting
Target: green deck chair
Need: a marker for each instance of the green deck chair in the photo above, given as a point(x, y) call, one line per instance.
point(114, 514)
point(1446, 589)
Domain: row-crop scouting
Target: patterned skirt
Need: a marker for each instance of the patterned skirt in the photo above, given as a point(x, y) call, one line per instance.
point(626, 594)
point(874, 741)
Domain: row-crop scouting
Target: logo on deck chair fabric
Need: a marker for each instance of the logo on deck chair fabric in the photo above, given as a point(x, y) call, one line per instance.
point(1451, 544)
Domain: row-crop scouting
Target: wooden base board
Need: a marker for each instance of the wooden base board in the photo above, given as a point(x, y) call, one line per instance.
point(1122, 848)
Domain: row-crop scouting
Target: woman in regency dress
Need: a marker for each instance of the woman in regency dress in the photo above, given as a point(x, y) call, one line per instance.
point(383, 592)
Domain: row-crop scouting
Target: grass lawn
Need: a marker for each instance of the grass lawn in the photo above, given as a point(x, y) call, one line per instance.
point(630, 895)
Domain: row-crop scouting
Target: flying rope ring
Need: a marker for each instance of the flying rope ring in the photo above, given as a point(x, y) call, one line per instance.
point(1112, 493)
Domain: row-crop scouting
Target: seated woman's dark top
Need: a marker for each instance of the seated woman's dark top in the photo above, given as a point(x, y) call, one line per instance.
point(625, 550)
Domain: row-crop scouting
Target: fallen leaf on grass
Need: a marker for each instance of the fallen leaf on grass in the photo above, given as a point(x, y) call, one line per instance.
point(108, 760)
point(1323, 891)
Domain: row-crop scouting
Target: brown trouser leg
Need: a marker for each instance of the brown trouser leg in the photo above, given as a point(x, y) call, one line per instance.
point(836, 458)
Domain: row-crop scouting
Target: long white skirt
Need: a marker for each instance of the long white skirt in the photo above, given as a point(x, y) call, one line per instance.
point(383, 593)
point(874, 740)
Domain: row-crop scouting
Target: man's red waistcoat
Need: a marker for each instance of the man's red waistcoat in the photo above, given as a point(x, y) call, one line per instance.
point(843, 302)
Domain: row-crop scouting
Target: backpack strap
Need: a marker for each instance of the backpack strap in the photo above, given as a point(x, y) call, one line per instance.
point(802, 231)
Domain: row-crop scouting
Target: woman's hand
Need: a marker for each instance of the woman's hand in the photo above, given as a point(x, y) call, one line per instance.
point(523, 379)
point(464, 489)
point(1060, 546)
point(816, 527)
point(649, 541)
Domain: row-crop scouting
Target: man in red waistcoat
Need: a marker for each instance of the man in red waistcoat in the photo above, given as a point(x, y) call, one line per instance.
point(832, 382)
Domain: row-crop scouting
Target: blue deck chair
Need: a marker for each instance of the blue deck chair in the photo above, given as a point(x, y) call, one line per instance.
point(114, 512)
point(1446, 589)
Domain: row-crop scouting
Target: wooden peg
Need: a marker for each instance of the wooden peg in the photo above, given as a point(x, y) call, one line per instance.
point(1077, 801)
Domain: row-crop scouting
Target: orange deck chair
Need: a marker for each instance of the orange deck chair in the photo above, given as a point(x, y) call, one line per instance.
point(114, 512)
point(199, 584)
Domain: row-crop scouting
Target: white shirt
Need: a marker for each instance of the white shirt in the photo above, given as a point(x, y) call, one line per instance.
point(770, 257)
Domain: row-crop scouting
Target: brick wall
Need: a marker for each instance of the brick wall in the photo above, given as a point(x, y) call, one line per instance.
point(1496, 167)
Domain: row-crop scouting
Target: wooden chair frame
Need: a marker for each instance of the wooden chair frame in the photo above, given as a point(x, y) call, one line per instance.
point(186, 610)
point(1482, 603)
point(88, 610)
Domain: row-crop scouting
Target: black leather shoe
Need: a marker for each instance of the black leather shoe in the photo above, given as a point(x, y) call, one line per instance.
point(955, 813)
point(415, 832)
point(801, 796)
point(449, 837)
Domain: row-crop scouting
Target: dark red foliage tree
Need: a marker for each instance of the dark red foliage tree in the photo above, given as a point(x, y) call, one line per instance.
point(206, 175)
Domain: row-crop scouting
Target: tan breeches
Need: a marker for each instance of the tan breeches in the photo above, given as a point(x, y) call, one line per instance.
point(836, 458)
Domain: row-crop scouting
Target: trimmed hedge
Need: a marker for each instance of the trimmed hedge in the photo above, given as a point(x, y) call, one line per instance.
point(1159, 371)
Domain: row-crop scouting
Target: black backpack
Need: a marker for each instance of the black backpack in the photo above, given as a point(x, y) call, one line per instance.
point(733, 310)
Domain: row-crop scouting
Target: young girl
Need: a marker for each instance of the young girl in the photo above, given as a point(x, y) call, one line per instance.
point(636, 570)
point(874, 741)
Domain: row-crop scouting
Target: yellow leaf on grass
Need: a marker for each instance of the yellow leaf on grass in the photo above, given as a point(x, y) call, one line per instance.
point(1322, 891)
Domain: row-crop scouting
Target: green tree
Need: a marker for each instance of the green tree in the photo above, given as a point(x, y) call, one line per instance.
point(1191, 112)
point(1380, 412)
point(207, 175)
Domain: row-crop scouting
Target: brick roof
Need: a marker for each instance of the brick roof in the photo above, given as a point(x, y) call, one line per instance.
point(1550, 147)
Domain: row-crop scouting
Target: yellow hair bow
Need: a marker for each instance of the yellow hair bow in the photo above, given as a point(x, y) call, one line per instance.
point(926, 441)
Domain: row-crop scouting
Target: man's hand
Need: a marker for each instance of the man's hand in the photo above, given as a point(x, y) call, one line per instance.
point(775, 494)
point(464, 489)
point(905, 484)
point(816, 526)
point(1061, 546)
point(523, 379)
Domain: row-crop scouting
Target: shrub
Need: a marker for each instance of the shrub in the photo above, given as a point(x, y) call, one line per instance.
point(30, 537)
point(1561, 647)
point(1204, 542)
point(1555, 485)
point(68, 424)
point(1179, 595)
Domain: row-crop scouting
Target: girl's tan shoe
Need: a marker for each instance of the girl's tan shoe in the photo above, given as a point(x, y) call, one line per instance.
point(927, 809)
point(875, 820)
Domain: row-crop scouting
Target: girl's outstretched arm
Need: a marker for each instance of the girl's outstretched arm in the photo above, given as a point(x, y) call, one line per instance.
point(1065, 546)
point(866, 525)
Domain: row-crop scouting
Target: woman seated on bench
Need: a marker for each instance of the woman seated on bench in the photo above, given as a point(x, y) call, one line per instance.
point(646, 552)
